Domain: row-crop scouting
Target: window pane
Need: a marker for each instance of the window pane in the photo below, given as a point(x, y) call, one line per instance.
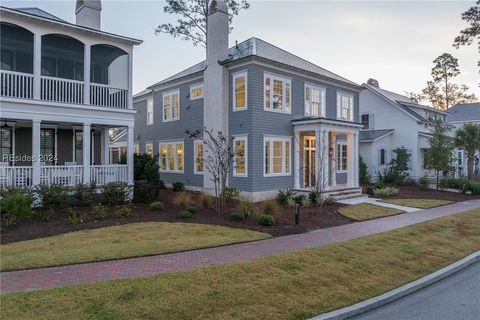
point(199, 157)
point(267, 93)
point(240, 92)
point(163, 157)
point(277, 94)
point(308, 105)
point(171, 155)
point(180, 157)
point(287, 156)
point(287, 96)
point(196, 92)
point(240, 157)
point(267, 157)
point(277, 156)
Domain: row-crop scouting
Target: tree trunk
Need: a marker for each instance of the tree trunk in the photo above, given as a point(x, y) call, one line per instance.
point(438, 174)
point(470, 164)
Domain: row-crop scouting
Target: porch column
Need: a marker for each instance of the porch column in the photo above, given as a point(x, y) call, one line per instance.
point(130, 154)
point(350, 161)
point(37, 65)
point(86, 152)
point(355, 161)
point(36, 152)
point(296, 159)
point(86, 74)
point(333, 162)
point(326, 159)
point(105, 146)
point(130, 80)
point(319, 178)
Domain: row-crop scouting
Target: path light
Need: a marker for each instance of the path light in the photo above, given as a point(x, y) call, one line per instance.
point(297, 213)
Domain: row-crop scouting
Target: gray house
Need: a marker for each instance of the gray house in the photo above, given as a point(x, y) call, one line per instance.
point(292, 123)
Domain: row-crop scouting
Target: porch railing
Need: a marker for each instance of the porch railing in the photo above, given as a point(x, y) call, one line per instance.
point(16, 84)
point(103, 174)
point(62, 90)
point(61, 175)
point(106, 96)
point(15, 176)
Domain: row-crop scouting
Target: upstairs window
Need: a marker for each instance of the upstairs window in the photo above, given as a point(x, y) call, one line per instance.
point(196, 92)
point(366, 121)
point(344, 106)
point(277, 94)
point(314, 101)
point(171, 106)
point(149, 111)
point(240, 91)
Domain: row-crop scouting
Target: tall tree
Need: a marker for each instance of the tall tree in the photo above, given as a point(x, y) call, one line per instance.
point(467, 137)
point(467, 35)
point(192, 22)
point(440, 155)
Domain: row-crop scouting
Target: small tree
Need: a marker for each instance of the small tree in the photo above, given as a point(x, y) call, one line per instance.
point(397, 170)
point(440, 155)
point(146, 168)
point(363, 174)
point(468, 138)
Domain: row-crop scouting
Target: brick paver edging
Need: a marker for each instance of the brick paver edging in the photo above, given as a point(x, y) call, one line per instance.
point(42, 278)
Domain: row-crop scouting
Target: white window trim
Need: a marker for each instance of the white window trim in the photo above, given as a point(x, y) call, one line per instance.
point(196, 86)
point(323, 99)
point(285, 80)
point(195, 142)
point(150, 103)
point(175, 160)
point(240, 138)
point(171, 94)
point(149, 143)
point(236, 76)
point(339, 107)
point(283, 139)
point(339, 162)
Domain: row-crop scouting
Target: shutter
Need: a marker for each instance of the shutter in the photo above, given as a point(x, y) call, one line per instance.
point(371, 121)
point(338, 106)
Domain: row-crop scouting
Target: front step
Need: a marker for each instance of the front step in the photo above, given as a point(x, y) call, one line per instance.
point(340, 194)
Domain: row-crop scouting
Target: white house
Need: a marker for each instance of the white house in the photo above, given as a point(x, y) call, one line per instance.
point(63, 86)
point(459, 115)
point(391, 121)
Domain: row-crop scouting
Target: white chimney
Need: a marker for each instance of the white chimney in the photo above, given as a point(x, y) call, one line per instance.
point(217, 31)
point(88, 13)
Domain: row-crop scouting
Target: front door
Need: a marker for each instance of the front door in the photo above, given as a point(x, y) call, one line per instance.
point(309, 163)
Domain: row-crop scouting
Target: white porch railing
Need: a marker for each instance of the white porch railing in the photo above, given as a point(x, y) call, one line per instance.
point(16, 84)
point(103, 174)
point(15, 176)
point(106, 96)
point(61, 175)
point(61, 90)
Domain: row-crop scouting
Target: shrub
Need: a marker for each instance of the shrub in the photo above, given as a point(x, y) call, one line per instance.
point(183, 200)
point(269, 207)
point(72, 216)
point(237, 216)
point(266, 220)
point(328, 200)
point(15, 205)
point(48, 214)
point(284, 196)
point(302, 200)
point(156, 206)
point(53, 196)
point(378, 185)
point(385, 192)
point(369, 190)
point(364, 177)
point(143, 192)
point(291, 203)
point(84, 194)
point(124, 211)
point(315, 197)
point(206, 200)
point(424, 182)
point(100, 212)
point(178, 187)
point(462, 184)
point(192, 210)
point(115, 193)
point(185, 214)
point(407, 182)
point(230, 195)
point(146, 169)
point(474, 188)
point(246, 207)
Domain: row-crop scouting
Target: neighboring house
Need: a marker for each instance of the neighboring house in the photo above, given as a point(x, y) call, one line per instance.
point(63, 85)
point(459, 115)
point(391, 121)
point(279, 111)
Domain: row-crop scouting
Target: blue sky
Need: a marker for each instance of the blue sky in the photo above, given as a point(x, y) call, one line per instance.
point(394, 42)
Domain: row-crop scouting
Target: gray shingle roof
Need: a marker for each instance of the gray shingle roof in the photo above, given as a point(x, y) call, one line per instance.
point(464, 112)
point(39, 12)
point(371, 135)
point(262, 49)
point(142, 93)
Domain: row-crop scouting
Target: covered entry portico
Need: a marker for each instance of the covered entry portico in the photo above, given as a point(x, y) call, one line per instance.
point(325, 154)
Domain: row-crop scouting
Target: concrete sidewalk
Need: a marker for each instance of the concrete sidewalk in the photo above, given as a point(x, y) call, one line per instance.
point(377, 202)
point(25, 280)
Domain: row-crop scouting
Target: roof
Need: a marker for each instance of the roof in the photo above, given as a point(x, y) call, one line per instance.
point(255, 47)
point(142, 93)
point(372, 135)
point(464, 112)
point(39, 12)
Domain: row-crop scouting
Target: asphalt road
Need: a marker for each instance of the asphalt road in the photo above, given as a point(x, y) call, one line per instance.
point(454, 298)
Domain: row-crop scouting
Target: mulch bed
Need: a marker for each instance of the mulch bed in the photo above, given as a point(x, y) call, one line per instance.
point(417, 192)
point(311, 219)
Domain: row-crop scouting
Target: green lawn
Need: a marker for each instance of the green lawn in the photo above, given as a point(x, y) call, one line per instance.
point(296, 285)
point(367, 211)
point(418, 203)
point(124, 241)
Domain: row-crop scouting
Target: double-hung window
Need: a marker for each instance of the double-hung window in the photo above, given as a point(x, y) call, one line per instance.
point(240, 161)
point(365, 121)
point(314, 101)
point(276, 156)
point(344, 106)
point(149, 111)
point(171, 106)
point(382, 157)
point(171, 156)
point(196, 91)
point(240, 91)
point(342, 157)
point(277, 94)
point(198, 157)
point(149, 148)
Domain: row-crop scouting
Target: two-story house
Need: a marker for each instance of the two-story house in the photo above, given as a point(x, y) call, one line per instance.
point(392, 121)
point(63, 86)
point(277, 109)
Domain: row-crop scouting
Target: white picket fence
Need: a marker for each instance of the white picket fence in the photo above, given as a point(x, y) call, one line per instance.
point(103, 174)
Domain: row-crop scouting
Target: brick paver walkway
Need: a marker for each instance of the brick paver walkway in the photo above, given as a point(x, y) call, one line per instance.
point(15, 281)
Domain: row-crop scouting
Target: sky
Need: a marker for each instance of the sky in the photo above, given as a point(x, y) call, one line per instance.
point(394, 42)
